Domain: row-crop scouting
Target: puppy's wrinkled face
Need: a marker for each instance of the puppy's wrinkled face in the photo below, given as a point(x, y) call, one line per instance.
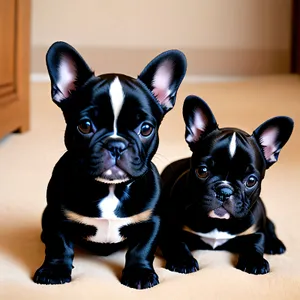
point(228, 165)
point(228, 168)
point(114, 130)
point(113, 119)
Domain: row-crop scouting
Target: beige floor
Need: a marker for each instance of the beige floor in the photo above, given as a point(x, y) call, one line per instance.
point(26, 162)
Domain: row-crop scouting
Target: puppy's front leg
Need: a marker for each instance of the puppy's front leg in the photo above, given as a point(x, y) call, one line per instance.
point(176, 252)
point(251, 250)
point(142, 241)
point(57, 265)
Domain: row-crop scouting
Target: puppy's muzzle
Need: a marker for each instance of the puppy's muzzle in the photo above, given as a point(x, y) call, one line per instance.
point(116, 147)
point(223, 192)
point(114, 173)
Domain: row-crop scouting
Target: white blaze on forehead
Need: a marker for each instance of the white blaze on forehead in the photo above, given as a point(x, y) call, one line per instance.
point(232, 146)
point(117, 99)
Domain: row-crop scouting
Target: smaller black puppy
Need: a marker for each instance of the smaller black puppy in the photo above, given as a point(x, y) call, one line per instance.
point(212, 201)
point(104, 189)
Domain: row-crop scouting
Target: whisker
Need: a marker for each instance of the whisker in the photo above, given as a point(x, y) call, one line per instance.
point(161, 158)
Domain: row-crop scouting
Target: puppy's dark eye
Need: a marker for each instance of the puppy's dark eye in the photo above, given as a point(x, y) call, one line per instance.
point(251, 181)
point(202, 172)
point(85, 127)
point(146, 129)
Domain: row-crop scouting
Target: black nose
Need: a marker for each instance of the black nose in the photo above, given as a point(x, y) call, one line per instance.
point(224, 192)
point(115, 147)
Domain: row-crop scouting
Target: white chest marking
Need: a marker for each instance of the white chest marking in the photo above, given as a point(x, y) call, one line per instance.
point(117, 99)
point(213, 238)
point(109, 204)
point(217, 238)
point(108, 226)
point(232, 146)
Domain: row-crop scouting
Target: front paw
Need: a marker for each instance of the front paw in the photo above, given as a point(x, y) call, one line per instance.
point(139, 278)
point(274, 246)
point(185, 266)
point(52, 274)
point(253, 264)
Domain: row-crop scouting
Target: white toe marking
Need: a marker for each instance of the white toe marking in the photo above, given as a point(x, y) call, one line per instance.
point(117, 99)
point(232, 146)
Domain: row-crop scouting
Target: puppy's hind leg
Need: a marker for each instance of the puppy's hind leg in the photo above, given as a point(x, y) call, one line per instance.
point(251, 249)
point(273, 245)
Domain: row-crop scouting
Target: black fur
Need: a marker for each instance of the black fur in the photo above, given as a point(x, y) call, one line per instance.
point(86, 101)
point(191, 201)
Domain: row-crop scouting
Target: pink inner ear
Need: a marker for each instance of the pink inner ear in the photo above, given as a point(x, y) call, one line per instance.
point(198, 126)
point(268, 140)
point(161, 83)
point(67, 74)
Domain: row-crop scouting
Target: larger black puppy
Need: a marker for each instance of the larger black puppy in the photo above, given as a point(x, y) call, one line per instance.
point(212, 201)
point(104, 189)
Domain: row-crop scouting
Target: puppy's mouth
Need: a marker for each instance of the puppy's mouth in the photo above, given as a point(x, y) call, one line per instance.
point(113, 175)
point(219, 213)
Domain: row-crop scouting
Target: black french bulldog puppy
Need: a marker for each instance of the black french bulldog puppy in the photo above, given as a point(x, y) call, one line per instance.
point(103, 191)
point(212, 200)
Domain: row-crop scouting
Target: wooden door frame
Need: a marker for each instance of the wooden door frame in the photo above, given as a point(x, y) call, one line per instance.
point(14, 107)
point(295, 61)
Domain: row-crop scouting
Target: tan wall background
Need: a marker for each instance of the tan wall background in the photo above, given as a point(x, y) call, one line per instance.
point(219, 37)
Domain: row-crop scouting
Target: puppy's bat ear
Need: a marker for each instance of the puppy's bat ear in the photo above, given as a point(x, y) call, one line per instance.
point(163, 76)
point(272, 135)
point(67, 70)
point(198, 118)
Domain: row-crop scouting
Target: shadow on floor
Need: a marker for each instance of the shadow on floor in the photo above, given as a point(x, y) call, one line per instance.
point(24, 246)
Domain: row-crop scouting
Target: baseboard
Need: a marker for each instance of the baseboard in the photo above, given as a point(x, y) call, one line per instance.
point(201, 62)
point(44, 77)
point(39, 77)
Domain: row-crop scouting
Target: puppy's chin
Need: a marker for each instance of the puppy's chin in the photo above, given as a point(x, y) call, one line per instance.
point(219, 213)
point(113, 175)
